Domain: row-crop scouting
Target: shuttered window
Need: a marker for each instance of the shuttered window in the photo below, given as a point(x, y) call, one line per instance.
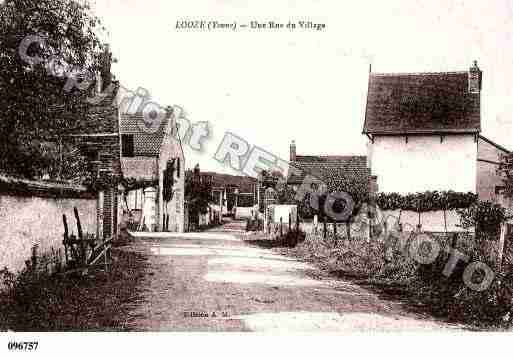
point(127, 145)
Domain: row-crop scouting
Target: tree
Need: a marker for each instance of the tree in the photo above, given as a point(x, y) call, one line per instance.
point(34, 101)
point(506, 169)
point(338, 180)
point(198, 193)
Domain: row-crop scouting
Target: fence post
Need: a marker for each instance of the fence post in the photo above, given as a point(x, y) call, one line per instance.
point(290, 222)
point(445, 221)
point(335, 229)
point(65, 237)
point(281, 226)
point(297, 221)
point(370, 218)
point(454, 243)
point(325, 229)
point(502, 240)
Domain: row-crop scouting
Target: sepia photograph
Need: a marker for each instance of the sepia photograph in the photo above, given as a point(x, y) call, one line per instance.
point(288, 176)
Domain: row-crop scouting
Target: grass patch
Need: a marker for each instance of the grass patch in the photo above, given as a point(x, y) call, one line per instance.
point(97, 301)
point(388, 269)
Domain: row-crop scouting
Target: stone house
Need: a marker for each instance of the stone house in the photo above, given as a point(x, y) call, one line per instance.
point(490, 183)
point(98, 139)
point(424, 133)
point(153, 167)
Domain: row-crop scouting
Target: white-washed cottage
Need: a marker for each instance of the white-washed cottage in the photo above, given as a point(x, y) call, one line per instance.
point(153, 166)
point(424, 133)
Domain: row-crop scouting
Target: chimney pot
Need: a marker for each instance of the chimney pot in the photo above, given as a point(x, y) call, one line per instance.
point(475, 79)
point(293, 151)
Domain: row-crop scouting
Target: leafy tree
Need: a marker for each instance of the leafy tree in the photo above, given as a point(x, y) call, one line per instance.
point(506, 169)
point(34, 101)
point(198, 193)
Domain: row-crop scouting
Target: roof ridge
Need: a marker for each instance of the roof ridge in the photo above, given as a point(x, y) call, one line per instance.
point(379, 74)
point(331, 156)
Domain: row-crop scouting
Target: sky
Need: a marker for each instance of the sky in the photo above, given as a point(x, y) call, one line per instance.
point(272, 86)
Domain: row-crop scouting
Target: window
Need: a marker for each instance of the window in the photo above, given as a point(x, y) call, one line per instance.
point(127, 145)
point(169, 180)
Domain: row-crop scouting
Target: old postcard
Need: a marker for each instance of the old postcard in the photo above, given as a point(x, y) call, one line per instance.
point(233, 166)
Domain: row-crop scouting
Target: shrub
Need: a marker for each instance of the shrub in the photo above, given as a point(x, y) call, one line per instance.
point(485, 217)
point(386, 261)
point(254, 225)
point(425, 201)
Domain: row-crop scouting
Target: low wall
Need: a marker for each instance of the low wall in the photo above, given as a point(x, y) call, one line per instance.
point(432, 221)
point(282, 212)
point(31, 219)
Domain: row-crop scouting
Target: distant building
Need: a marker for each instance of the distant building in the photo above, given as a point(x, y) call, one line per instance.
point(424, 133)
point(323, 169)
point(229, 192)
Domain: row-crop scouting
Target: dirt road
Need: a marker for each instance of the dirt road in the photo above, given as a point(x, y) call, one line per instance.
point(215, 281)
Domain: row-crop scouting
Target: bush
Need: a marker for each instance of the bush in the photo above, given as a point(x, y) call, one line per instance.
point(485, 217)
point(293, 238)
point(425, 201)
point(457, 302)
point(254, 225)
point(386, 261)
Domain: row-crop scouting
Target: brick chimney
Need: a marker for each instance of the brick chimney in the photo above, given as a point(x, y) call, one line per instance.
point(475, 79)
point(293, 151)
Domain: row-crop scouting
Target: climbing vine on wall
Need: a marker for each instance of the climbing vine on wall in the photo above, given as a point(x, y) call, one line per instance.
point(426, 201)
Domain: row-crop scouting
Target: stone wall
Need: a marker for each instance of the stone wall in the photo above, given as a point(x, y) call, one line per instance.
point(432, 221)
point(31, 219)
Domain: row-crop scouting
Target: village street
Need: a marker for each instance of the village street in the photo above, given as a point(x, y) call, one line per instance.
point(215, 281)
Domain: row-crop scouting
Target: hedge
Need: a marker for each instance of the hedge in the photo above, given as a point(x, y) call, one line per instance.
point(426, 201)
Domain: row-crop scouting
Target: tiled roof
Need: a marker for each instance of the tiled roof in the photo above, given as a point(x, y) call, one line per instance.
point(146, 143)
point(421, 103)
point(139, 168)
point(243, 183)
point(326, 167)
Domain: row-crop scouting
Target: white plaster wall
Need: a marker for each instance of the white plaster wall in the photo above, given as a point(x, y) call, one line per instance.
point(175, 208)
point(30, 221)
point(283, 211)
point(432, 221)
point(424, 163)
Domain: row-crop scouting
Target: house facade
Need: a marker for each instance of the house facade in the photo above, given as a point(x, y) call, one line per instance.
point(490, 182)
point(418, 163)
point(424, 132)
point(98, 140)
point(153, 166)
